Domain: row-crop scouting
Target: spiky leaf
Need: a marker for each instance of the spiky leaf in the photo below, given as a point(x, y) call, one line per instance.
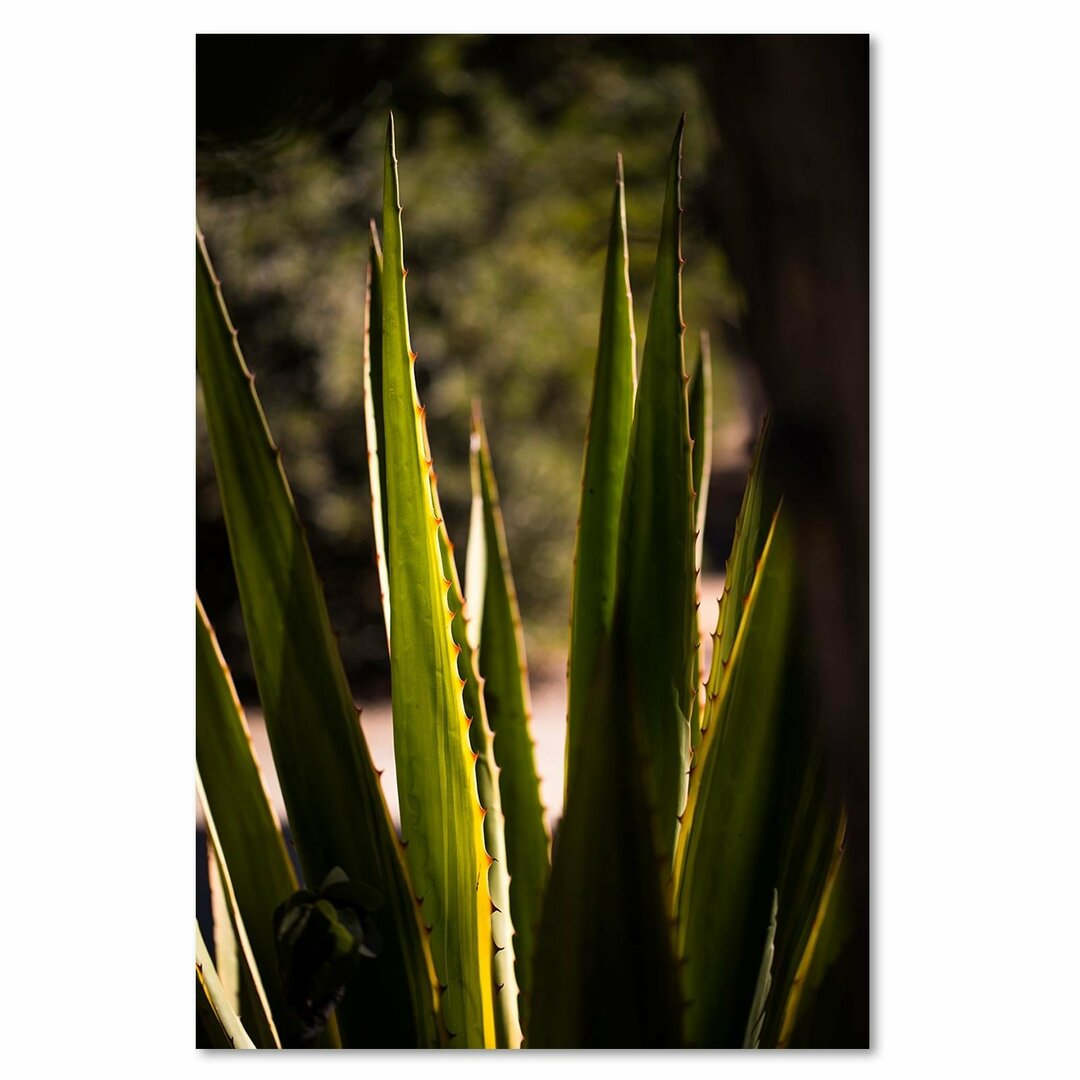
point(825, 937)
point(506, 694)
point(250, 835)
point(217, 1018)
point(723, 863)
point(259, 1020)
point(810, 819)
point(226, 950)
point(507, 1023)
point(701, 435)
point(607, 443)
point(440, 809)
point(754, 1023)
point(508, 1028)
point(701, 471)
point(336, 807)
point(655, 603)
point(373, 414)
point(606, 975)
point(750, 525)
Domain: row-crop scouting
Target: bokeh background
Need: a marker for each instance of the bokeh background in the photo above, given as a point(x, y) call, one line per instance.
point(507, 148)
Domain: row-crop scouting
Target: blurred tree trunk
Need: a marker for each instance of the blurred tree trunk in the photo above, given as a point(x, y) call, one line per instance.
point(790, 195)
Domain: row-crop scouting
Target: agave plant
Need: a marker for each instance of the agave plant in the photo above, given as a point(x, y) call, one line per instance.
point(695, 897)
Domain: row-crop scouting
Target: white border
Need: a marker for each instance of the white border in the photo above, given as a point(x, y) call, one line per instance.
point(975, 530)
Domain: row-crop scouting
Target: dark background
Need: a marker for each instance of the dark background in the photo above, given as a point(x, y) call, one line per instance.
point(507, 147)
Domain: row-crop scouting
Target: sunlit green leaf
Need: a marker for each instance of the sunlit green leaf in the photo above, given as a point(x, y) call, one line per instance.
point(509, 711)
point(226, 951)
point(507, 1022)
point(373, 414)
point(440, 809)
point(216, 1016)
point(508, 1026)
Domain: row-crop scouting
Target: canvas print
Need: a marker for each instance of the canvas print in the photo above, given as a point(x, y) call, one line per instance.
point(532, 615)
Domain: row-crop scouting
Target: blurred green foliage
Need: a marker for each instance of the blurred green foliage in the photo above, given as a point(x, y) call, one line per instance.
point(510, 145)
